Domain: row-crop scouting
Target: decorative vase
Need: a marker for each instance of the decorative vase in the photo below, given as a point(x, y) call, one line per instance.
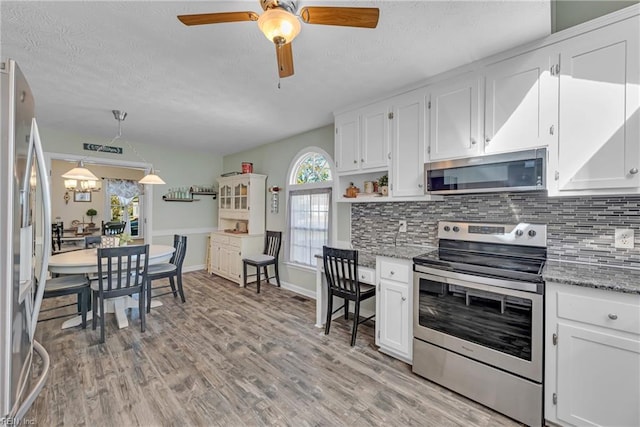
point(384, 190)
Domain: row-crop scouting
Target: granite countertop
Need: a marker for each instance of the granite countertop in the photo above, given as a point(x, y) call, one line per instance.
point(367, 256)
point(597, 276)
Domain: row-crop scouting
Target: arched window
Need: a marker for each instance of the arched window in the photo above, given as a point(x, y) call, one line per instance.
point(309, 193)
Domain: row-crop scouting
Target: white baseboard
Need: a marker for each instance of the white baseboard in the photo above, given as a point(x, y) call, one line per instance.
point(194, 268)
point(298, 290)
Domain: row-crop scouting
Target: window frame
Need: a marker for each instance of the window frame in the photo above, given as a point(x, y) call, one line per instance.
point(290, 187)
point(108, 208)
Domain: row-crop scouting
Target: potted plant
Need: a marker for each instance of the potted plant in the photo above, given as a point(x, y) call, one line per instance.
point(125, 239)
point(383, 183)
point(91, 213)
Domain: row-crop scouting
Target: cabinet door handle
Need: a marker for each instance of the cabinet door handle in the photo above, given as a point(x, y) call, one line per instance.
point(613, 316)
point(473, 141)
point(392, 272)
point(633, 171)
point(404, 298)
point(487, 140)
point(362, 160)
point(355, 161)
point(389, 156)
point(419, 185)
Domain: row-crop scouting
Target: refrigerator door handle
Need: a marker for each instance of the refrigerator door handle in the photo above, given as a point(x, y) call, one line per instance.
point(46, 210)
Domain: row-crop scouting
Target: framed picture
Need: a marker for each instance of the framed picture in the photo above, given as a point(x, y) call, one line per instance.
point(79, 196)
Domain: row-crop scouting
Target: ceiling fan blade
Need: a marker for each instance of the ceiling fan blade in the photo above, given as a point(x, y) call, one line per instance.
point(364, 17)
point(284, 53)
point(217, 18)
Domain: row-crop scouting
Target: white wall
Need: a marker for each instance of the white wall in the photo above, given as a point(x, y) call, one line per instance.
point(273, 160)
point(179, 167)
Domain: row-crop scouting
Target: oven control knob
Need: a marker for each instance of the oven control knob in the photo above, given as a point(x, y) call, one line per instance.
point(456, 228)
point(519, 233)
point(447, 228)
point(532, 233)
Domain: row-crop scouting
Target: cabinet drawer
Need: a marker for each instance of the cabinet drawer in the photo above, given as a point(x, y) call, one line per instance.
point(219, 239)
point(394, 271)
point(366, 275)
point(235, 242)
point(600, 312)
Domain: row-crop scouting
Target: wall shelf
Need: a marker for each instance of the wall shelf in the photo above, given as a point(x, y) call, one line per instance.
point(205, 193)
point(191, 193)
point(167, 199)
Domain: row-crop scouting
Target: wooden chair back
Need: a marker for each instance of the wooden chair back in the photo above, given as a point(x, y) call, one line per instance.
point(180, 244)
point(122, 269)
point(272, 243)
point(112, 228)
point(341, 270)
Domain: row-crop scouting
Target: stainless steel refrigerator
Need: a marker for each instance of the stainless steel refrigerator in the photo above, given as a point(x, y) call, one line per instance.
point(25, 235)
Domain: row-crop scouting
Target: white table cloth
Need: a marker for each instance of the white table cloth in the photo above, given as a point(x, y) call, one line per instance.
point(85, 261)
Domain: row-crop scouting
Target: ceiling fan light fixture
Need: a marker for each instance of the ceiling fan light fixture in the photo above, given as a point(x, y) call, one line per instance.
point(278, 24)
point(80, 173)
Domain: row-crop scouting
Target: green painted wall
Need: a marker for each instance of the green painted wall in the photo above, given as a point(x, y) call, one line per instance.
point(567, 13)
point(274, 160)
point(179, 168)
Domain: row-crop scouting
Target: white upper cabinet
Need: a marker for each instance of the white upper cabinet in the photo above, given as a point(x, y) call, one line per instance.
point(455, 118)
point(347, 142)
point(362, 139)
point(375, 136)
point(521, 103)
point(599, 124)
point(408, 139)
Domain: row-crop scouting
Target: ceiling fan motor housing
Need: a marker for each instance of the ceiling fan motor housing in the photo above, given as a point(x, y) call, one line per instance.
point(288, 5)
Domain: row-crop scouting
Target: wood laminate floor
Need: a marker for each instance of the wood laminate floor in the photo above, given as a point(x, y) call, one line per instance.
point(231, 357)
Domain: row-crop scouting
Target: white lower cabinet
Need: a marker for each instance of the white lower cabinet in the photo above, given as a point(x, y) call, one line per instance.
point(592, 374)
point(227, 251)
point(394, 326)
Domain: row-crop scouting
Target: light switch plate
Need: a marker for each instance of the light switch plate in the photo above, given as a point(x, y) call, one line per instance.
point(402, 224)
point(624, 238)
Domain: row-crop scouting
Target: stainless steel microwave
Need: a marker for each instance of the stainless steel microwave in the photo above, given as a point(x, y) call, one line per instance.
point(518, 171)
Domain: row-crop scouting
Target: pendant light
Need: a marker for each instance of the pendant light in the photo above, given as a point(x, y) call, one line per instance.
point(149, 179)
point(81, 173)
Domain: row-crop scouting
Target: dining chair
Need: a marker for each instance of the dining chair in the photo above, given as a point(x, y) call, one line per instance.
point(341, 271)
point(56, 237)
point(91, 242)
point(112, 228)
point(269, 256)
point(122, 271)
point(171, 270)
point(72, 284)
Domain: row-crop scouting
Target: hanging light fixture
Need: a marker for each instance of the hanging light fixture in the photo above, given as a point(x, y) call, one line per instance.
point(149, 179)
point(80, 173)
point(88, 181)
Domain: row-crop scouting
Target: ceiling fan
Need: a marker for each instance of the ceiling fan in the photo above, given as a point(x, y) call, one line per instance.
point(280, 23)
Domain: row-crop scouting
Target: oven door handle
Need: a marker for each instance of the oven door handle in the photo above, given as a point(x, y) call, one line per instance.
point(488, 288)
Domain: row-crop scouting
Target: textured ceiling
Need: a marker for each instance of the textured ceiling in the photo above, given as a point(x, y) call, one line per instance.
point(215, 87)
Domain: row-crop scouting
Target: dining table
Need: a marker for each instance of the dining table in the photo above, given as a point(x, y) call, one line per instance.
point(85, 261)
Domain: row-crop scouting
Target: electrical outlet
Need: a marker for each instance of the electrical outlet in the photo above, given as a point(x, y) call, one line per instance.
point(623, 238)
point(402, 226)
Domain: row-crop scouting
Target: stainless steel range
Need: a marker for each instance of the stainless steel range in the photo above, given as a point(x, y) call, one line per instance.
point(478, 315)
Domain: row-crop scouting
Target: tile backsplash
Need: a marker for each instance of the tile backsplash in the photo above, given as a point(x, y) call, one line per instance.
point(578, 228)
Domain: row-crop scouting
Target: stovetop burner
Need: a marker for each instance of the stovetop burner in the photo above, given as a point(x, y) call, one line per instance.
point(489, 250)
